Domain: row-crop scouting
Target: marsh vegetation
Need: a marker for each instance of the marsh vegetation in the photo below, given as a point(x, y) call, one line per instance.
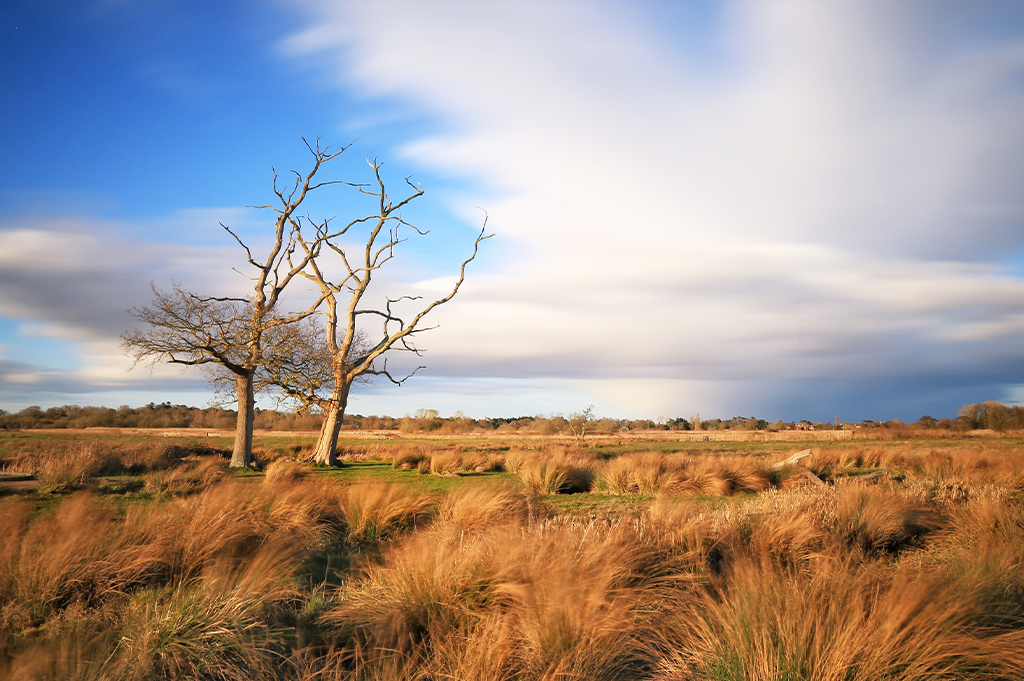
point(149, 558)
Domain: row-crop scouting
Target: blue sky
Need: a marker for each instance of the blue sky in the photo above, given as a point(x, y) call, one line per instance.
point(783, 209)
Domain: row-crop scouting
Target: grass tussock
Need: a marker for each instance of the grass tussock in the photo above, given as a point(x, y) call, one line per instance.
point(555, 471)
point(476, 507)
point(842, 621)
point(60, 470)
point(556, 603)
point(727, 568)
point(380, 512)
point(284, 472)
point(406, 458)
point(219, 626)
point(652, 473)
point(447, 463)
point(188, 478)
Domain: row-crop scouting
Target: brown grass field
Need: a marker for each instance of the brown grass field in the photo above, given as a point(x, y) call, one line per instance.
point(140, 555)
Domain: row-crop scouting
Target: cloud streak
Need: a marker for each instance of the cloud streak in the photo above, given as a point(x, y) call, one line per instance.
point(70, 284)
point(820, 192)
point(786, 208)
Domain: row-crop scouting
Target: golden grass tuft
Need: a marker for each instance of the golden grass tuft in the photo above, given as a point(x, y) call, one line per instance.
point(211, 627)
point(446, 464)
point(281, 471)
point(76, 553)
point(59, 469)
point(379, 512)
point(553, 603)
point(477, 507)
point(556, 477)
point(648, 473)
point(187, 478)
point(556, 470)
point(840, 621)
point(406, 458)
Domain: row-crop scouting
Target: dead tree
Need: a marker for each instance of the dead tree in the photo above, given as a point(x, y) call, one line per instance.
point(229, 332)
point(347, 351)
point(581, 423)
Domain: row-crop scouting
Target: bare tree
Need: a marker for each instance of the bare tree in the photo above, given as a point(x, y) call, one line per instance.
point(229, 332)
point(581, 423)
point(344, 343)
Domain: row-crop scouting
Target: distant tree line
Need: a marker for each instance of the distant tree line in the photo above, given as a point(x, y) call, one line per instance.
point(987, 415)
point(167, 415)
point(991, 415)
point(164, 415)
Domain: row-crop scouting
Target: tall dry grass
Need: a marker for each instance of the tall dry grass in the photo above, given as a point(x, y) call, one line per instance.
point(554, 470)
point(445, 461)
point(741, 575)
point(375, 512)
point(852, 582)
point(188, 477)
point(815, 583)
point(63, 467)
point(220, 625)
point(651, 473)
point(843, 620)
point(209, 585)
point(557, 602)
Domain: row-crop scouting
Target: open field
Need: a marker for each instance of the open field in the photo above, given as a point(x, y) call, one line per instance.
point(135, 555)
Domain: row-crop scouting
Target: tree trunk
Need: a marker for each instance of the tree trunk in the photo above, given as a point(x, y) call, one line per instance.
point(326, 446)
point(241, 457)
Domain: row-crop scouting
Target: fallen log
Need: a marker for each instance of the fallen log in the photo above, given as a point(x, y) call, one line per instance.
point(793, 460)
point(807, 474)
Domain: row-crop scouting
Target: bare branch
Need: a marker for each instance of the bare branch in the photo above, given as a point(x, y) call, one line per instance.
point(240, 334)
point(248, 253)
point(383, 371)
point(315, 363)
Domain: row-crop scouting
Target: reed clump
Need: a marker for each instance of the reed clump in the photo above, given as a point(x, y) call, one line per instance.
point(408, 458)
point(554, 470)
point(652, 473)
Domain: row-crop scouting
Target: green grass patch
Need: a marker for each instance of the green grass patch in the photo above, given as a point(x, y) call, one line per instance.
point(612, 450)
point(600, 505)
point(246, 472)
point(382, 472)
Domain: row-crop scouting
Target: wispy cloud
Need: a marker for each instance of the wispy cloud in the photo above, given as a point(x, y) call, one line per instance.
point(823, 194)
point(784, 208)
point(70, 284)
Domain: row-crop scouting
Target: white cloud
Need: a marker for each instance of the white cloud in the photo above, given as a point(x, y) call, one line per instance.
point(70, 284)
point(812, 205)
point(818, 198)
